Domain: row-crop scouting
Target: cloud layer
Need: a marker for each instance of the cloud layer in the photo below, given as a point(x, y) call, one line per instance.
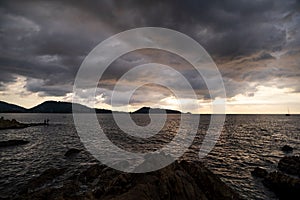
point(254, 43)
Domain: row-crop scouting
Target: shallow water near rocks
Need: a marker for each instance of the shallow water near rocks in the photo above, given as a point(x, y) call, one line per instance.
point(247, 141)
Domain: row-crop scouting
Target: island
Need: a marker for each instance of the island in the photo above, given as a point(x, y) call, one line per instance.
point(14, 124)
point(146, 110)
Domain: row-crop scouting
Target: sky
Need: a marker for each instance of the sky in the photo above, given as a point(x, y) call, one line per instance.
point(255, 45)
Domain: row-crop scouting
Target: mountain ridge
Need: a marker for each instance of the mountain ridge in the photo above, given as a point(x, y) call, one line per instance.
point(9, 107)
point(67, 107)
point(49, 107)
point(146, 110)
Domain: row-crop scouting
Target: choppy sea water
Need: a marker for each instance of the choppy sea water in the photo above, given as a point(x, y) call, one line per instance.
point(247, 141)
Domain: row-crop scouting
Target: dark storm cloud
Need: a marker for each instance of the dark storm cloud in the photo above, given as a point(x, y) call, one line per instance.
point(46, 41)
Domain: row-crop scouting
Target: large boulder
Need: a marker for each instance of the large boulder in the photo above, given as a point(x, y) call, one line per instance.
point(180, 180)
point(259, 172)
point(290, 165)
point(91, 173)
point(68, 191)
point(287, 149)
point(10, 124)
point(9, 143)
point(168, 183)
point(46, 177)
point(72, 152)
point(286, 187)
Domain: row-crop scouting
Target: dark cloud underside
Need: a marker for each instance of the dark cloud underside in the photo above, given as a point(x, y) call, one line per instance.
point(46, 41)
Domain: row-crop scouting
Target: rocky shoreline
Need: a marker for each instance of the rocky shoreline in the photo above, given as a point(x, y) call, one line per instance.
point(284, 182)
point(180, 180)
point(14, 124)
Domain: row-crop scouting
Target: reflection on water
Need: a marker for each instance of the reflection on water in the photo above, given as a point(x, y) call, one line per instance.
point(247, 141)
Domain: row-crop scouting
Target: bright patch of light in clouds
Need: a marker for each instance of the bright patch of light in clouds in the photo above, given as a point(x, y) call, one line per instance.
point(266, 100)
point(17, 93)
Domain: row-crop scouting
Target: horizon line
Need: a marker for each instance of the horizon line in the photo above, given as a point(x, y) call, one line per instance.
point(113, 110)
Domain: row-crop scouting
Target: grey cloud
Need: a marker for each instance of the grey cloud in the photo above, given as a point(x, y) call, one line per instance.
point(48, 40)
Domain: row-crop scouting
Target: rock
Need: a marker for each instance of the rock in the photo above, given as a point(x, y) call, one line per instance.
point(122, 165)
point(66, 192)
point(70, 187)
point(208, 182)
point(152, 161)
point(259, 172)
point(284, 186)
point(8, 124)
point(72, 152)
point(290, 165)
point(178, 181)
point(13, 143)
point(287, 148)
point(91, 173)
point(14, 124)
point(46, 177)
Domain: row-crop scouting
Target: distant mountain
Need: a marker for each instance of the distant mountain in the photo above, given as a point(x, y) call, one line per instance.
point(102, 111)
point(58, 107)
point(10, 108)
point(49, 107)
point(145, 110)
point(66, 107)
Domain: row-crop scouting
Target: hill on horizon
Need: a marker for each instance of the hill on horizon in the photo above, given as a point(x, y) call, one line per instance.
point(145, 110)
point(66, 107)
point(58, 107)
point(49, 107)
point(10, 108)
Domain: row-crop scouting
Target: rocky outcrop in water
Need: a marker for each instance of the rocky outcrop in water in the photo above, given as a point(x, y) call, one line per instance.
point(46, 177)
point(8, 124)
point(259, 172)
point(286, 187)
point(281, 182)
point(10, 143)
point(14, 124)
point(72, 152)
point(290, 165)
point(287, 149)
point(180, 180)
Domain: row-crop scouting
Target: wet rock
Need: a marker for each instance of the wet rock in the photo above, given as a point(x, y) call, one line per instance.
point(211, 184)
point(286, 187)
point(178, 181)
point(153, 161)
point(290, 165)
point(70, 187)
point(9, 143)
point(14, 124)
point(259, 172)
point(10, 124)
point(66, 192)
point(72, 152)
point(91, 173)
point(168, 183)
point(46, 177)
point(287, 148)
point(122, 165)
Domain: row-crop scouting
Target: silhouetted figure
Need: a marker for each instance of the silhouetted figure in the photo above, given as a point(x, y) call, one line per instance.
point(46, 121)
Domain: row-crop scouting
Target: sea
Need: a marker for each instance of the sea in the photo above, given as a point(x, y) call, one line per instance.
point(245, 142)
